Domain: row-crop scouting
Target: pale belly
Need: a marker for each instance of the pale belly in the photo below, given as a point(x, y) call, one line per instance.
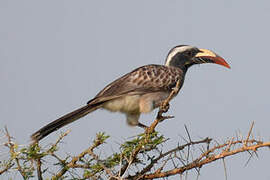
point(136, 104)
point(127, 104)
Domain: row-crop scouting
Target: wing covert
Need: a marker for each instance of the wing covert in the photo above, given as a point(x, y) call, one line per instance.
point(149, 78)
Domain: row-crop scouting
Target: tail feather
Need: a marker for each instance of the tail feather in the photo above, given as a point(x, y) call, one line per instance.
point(64, 120)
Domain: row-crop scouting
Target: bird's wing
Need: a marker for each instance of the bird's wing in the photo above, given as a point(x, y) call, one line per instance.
point(145, 79)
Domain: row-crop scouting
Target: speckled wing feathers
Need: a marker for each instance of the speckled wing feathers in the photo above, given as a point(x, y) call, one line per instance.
point(145, 79)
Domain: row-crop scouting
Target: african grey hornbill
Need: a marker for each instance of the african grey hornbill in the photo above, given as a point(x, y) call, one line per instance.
point(141, 90)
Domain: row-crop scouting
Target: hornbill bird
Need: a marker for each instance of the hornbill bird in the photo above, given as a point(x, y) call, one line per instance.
point(141, 90)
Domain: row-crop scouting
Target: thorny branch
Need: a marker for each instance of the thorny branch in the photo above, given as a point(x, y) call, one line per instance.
point(75, 159)
point(162, 155)
point(208, 160)
point(158, 164)
point(11, 146)
point(209, 156)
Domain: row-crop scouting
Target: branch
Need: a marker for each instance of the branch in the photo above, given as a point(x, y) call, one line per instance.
point(73, 163)
point(108, 171)
point(198, 163)
point(162, 155)
point(7, 167)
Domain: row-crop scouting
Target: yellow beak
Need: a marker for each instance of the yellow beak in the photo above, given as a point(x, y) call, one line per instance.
point(205, 55)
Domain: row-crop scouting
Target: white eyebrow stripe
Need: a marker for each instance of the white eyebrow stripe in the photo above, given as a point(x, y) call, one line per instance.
point(174, 51)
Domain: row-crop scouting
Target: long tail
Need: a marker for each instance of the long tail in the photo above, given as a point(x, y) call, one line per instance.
point(64, 120)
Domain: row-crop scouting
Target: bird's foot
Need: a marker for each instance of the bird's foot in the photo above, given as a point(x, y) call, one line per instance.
point(162, 118)
point(165, 107)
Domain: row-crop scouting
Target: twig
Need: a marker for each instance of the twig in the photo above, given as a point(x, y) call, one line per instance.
point(154, 161)
point(121, 157)
point(249, 132)
point(188, 152)
point(225, 169)
point(162, 166)
point(8, 166)
point(53, 146)
point(39, 169)
point(74, 160)
point(251, 155)
point(10, 144)
point(198, 174)
point(108, 171)
point(230, 144)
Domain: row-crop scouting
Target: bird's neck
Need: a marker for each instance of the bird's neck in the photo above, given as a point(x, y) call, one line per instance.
point(184, 68)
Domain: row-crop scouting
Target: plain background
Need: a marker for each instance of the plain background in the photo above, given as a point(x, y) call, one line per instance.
point(56, 55)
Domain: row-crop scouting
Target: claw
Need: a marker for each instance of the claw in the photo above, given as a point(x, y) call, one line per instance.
point(165, 108)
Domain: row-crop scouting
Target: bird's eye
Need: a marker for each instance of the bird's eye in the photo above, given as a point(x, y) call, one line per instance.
point(189, 53)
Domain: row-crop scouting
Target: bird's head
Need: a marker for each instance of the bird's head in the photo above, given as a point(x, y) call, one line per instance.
point(184, 56)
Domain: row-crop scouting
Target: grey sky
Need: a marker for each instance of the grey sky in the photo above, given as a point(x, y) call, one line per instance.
point(56, 55)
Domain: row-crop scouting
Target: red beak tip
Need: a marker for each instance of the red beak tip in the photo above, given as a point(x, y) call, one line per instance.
point(227, 65)
point(221, 61)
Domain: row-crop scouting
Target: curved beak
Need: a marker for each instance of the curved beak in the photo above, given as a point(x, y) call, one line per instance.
point(207, 56)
